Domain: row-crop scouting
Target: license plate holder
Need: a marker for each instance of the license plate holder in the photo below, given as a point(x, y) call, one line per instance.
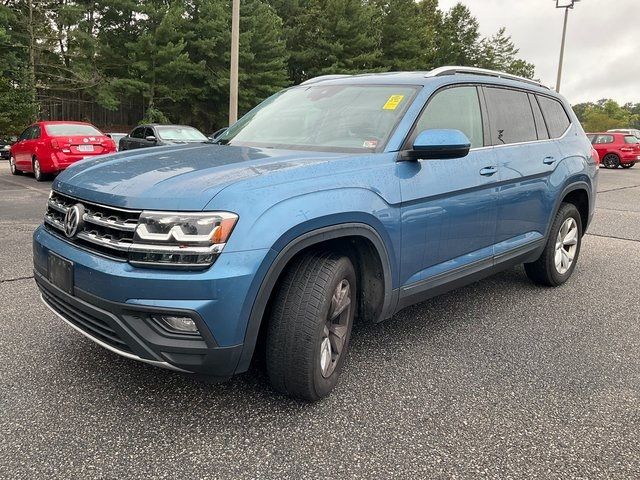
point(60, 272)
point(85, 148)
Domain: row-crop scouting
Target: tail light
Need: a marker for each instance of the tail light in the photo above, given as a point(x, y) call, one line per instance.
point(56, 145)
point(108, 143)
point(595, 156)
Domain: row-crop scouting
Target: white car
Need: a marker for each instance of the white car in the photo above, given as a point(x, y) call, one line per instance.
point(628, 131)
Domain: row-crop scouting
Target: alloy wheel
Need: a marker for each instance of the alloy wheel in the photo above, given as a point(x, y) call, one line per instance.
point(566, 245)
point(36, 169)
point(335, 329)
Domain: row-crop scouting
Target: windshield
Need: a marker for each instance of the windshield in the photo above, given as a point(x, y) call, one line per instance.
point(333, 118)
point(180, 134)
point(70, 129)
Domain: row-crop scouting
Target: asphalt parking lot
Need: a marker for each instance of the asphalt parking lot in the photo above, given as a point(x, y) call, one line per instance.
point(501, 379)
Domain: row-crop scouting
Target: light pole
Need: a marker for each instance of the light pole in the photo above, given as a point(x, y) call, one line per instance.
point(233, 74)
point(566, 4)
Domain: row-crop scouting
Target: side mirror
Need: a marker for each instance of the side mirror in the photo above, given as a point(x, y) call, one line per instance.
point(150, 138)
point(438, 144)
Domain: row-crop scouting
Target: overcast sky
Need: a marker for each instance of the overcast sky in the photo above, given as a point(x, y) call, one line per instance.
point(602, 56)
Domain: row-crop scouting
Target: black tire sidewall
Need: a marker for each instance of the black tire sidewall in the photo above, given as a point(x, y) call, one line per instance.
point(615, 161)
point(566, 210)
point(323, 386)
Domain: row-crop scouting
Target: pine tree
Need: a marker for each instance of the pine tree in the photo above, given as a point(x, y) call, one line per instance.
point(499, 53)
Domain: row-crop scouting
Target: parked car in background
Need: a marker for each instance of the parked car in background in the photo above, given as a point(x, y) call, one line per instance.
point(5, 148)
point(344, 197)
point(116, 137)
point(154, 135)
point(217, 133)
point(616, 149)
point(628, 131)
point(46, 148)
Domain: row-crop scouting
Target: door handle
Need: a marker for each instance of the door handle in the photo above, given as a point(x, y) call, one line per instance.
point(548, 160)
point(488, 171)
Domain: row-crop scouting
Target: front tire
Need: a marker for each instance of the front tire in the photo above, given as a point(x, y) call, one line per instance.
point(310, 325)
point(560, 255)
point(13, 167)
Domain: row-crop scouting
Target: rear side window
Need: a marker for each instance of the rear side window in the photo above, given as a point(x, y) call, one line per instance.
point(35, 132)
point(555, 116)
point(455, 108)
point(510, 116)
point(600, 139)
point(70, 129)
point(631, 139)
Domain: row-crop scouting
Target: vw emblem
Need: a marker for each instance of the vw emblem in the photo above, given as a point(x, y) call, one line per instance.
point(73, 220)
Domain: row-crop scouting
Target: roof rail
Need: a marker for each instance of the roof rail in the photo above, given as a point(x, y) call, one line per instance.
point(313, 80)
point(452, 70)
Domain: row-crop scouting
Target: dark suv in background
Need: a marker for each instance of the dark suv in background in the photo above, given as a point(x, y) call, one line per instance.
point(154, 135)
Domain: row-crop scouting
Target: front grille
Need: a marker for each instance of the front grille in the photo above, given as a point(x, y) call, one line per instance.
point(106, 230)
point(85, 321)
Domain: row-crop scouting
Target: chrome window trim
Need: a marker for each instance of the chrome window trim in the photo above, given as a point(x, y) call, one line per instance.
point(566, 132)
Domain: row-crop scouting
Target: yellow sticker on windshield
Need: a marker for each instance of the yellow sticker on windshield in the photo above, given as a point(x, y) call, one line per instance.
point(393, 102)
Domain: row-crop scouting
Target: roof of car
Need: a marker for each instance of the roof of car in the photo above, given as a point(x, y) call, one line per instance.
point(465, 74)
point(55, 122)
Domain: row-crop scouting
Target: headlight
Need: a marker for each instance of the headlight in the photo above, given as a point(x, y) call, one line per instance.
point(6, 147)
point(180, 239)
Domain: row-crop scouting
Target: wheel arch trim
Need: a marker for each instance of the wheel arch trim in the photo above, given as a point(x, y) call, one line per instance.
point(282, 259)
point(572, 187)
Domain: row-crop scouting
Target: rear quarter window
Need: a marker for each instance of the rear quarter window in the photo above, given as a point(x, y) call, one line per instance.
point(554, 115)
point(631, 139)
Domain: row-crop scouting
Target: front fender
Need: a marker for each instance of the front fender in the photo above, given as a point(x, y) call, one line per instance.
point(289, 245)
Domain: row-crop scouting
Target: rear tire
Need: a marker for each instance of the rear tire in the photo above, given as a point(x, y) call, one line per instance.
point(611, 160)
point(37, 171)
point(560, 255)
point(310, 325)
point(628, 165)
point(13, 167)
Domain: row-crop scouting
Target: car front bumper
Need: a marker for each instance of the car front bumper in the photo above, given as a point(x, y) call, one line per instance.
point(112, 303)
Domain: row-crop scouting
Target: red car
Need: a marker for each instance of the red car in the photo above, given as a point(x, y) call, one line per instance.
point(616, 149)
point(46, 148)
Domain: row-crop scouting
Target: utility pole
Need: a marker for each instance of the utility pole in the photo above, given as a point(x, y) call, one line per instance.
point(235, 47)
point(32, 59)
point(566, 4)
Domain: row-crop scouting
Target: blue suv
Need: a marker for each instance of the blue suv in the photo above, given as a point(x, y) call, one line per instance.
point(343, 198)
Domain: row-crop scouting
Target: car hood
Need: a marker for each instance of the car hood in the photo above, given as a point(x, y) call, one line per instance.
point(182, 177)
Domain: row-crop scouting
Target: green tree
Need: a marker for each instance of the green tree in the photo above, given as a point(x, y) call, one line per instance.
point(17, 107)
point(332, 36)
point(458, 38)
point(499, 53)
point(606, 114)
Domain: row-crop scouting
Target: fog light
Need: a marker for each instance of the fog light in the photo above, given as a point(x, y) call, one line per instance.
point(177, 324)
